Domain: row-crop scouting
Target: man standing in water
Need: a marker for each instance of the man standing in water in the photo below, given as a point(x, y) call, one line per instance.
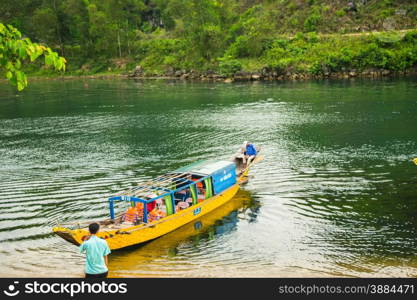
point(96, 250)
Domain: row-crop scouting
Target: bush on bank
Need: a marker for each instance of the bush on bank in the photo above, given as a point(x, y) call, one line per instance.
point(304, 53)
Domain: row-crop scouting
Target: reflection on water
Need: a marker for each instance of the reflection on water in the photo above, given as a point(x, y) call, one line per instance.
point(171, 253)
point(335, 196)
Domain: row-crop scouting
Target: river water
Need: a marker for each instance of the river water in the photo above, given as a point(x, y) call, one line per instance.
point(335, 196)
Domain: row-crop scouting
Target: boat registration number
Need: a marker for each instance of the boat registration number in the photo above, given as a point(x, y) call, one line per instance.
point(197, 211)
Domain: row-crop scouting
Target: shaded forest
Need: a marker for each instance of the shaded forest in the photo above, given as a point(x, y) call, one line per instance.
point(222, 36)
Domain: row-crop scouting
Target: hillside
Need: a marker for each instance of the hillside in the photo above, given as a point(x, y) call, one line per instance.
point(177, 37)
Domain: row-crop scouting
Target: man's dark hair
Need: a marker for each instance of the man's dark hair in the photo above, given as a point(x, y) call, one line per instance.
point(93, 228)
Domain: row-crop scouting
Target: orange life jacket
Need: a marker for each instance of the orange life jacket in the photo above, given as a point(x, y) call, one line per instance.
point(198, 184)
point(139, 205)
point(139, 208)
point(131, 215)
point(155, 214)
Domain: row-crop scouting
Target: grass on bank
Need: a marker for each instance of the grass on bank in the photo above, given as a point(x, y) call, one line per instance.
point(307, 53)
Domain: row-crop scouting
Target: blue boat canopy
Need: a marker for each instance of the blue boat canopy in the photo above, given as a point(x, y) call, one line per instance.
point(205, 167)
point(223, 172)
point(216, 175)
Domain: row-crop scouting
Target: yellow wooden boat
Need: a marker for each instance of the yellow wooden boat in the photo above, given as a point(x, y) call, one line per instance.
point(165, 203)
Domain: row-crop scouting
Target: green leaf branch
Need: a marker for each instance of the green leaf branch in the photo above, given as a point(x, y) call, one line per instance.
point(16, 51)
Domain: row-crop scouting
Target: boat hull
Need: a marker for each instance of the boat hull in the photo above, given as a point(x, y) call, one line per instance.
point(134, 235)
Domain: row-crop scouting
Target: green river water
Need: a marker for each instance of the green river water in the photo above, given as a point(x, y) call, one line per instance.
point(335, 196)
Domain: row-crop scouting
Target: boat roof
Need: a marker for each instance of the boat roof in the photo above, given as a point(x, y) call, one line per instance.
point(163, 185)
point(204, 167)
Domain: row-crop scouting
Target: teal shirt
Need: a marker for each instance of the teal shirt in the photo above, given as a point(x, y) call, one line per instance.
point(95, 249)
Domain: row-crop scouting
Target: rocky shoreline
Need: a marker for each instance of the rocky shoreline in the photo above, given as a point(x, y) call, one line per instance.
point(241, 76)
point(265, 75)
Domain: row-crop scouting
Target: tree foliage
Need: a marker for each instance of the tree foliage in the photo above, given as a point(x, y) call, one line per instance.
point(15, 51)
point(96, 35)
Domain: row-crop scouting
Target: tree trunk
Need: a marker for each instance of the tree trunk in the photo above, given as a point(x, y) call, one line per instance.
point(58, 31)
point(118, 42)
point(127, 36)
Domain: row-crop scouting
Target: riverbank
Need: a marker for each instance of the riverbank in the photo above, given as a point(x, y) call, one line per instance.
point(298, 57)
point(273, 76)
point(238, 77)
point(303, 56)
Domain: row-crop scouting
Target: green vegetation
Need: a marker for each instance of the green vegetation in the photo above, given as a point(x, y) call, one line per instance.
point(15, 52)
point(309, 53)
point(222, 36)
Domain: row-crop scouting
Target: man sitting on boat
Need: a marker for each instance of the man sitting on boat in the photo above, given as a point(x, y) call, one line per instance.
point(182, 205)
point(155, 215)
point(250, 152)
point(246, 153)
